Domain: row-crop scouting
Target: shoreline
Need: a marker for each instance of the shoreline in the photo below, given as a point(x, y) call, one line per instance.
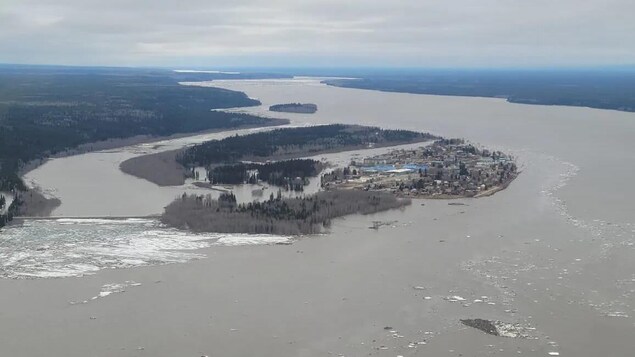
point(118, 143)
point(502, 98)
point(43, 206)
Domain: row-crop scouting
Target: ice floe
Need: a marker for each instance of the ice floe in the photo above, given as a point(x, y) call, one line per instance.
point(54, 248)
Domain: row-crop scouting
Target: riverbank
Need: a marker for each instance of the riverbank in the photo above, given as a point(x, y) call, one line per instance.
point(35, 204)
point(41, 203)
point(160, 168)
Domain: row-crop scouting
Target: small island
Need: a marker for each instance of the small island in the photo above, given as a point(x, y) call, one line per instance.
point(303, 108)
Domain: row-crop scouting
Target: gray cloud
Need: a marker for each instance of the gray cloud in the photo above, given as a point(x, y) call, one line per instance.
point(318, 32)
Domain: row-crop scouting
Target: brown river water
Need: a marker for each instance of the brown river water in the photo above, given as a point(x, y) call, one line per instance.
point(553, 253)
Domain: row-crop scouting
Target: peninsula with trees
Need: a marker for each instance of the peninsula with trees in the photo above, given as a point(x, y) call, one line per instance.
point(248, 158)
point(303, 108)
point(289, 143)
point(261, 147)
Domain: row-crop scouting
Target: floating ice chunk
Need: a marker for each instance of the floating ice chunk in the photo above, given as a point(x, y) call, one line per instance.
point(455, 298)
point(109, 289)
point(497, 328)
point(252, 239)
point(617, 314)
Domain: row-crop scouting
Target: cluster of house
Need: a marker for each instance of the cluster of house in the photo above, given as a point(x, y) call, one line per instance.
point(446, 168)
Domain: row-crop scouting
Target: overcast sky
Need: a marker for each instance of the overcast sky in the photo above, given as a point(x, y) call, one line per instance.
point(420, 33)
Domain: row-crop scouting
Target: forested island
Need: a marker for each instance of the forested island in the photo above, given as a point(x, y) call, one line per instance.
point(284, 216)
point(304, 108)
point(45, 111)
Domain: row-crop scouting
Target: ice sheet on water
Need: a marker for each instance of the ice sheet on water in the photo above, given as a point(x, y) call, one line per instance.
point(252, 239)
point(55, 248)
point(105, 221)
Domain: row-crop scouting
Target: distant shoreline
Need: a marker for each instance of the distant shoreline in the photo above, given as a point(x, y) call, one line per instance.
point(509, 98)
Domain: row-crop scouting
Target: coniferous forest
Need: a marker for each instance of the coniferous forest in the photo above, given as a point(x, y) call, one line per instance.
point(296, 142)
point(285, 216)
point(290, 174)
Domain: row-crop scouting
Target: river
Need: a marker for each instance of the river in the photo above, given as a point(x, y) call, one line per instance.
point(553, 253)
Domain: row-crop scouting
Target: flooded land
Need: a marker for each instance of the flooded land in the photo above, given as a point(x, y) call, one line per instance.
point(545, 267)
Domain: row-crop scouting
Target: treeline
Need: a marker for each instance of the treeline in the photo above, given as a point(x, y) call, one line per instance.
point(48, 110)
point(290, 174)
point(295, 142)
point(284, 216)
point(604, 88)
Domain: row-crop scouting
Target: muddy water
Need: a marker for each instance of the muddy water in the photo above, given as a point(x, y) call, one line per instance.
point(559, 244)
point(599, 142)
point(553, 253)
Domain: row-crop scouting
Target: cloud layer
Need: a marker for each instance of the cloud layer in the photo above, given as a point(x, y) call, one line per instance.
point(318, 32)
